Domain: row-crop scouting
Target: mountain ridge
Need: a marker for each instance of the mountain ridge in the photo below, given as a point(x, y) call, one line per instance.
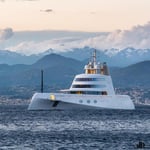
point(60, 71)
point(114, 57)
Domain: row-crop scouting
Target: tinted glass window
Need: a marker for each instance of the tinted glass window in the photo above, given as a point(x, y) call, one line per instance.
point(87, 86)
point(89, 79)
point(90, 92)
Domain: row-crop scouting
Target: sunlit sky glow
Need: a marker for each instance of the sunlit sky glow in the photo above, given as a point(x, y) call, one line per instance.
point(76, 15)
point(33, 26)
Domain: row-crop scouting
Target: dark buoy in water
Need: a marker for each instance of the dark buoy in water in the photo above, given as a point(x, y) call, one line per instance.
point(41, 81)
point(140, 145)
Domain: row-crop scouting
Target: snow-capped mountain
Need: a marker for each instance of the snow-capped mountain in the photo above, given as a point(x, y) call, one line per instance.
point(114, 57)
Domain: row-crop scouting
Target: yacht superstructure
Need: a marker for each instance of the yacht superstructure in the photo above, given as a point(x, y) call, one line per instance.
point(92, 89)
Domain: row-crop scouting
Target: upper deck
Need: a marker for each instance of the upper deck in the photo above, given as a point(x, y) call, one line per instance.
point(96, 68)
point(95, 80)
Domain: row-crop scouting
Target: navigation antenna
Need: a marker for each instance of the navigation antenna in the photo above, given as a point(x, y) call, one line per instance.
point(94, 57)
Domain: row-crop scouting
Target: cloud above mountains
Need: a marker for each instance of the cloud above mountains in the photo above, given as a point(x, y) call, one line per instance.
point(137, 37)
point(6, 34)
point(32, 47)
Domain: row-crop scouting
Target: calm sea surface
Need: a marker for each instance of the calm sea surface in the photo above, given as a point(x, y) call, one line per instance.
point(21, 129)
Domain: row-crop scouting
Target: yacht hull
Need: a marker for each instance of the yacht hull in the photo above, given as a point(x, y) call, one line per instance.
point(57, 101)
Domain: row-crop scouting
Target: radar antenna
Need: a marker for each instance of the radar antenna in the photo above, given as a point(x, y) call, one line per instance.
point(94, 57)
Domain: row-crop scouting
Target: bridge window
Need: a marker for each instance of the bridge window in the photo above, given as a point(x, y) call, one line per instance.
point(90, 79)
point(90, 93)
point(104, 93)
point(87, 86)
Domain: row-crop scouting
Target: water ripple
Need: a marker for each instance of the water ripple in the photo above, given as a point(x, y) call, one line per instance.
point(71, 130)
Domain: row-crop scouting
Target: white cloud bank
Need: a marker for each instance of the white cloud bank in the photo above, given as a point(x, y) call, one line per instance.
point(61, 44)
point(138, 37)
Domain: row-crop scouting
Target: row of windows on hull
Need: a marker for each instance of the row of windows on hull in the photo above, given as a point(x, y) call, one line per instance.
point(89, 79)
point(87, 86)
point(88, 101)
point(89, 92)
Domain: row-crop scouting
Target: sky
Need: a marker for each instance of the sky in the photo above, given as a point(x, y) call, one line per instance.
point(33, 26)
point(76, 15)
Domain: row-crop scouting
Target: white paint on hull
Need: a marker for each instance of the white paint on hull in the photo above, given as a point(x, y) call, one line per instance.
point(43, 101)
point(82, 93)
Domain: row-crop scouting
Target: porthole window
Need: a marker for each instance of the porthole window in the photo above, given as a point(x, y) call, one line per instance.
point(88, 101)
point(95, 101)
point(80, 101)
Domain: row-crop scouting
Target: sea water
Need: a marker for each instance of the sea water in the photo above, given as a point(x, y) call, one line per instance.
point(21, 129)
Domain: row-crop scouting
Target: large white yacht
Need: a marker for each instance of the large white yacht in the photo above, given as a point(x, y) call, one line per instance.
point(92, 89)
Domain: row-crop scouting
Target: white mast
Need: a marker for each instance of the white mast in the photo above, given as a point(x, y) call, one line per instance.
point(94, 58)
